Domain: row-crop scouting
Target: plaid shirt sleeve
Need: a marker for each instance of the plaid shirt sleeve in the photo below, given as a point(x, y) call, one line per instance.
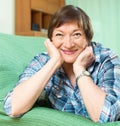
point(7, 103)
point(110, 80)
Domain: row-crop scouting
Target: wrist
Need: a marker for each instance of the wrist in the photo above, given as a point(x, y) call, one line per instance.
point(81, 74)
point(57, 61)
point(78, 70)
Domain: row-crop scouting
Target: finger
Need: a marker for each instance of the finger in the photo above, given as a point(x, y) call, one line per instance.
point(89, 50)
point(48, 43)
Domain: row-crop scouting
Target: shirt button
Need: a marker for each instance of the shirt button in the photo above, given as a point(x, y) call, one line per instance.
point(59, 96)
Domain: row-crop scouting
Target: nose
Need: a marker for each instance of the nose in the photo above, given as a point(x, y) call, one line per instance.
point(68, 42)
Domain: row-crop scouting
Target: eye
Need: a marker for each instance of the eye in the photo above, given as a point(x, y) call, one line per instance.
point(77, 35)
point(59, 35)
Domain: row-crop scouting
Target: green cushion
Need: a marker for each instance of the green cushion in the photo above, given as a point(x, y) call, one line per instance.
point(15, 53)
point(41, 116)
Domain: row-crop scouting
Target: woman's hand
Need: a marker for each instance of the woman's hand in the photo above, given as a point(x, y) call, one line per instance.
point(85, 59)
point(53, 51)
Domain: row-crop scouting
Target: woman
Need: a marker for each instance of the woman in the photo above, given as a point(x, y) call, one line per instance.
point(76, 74)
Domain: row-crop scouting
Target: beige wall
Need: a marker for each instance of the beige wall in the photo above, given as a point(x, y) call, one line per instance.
point(7, 16)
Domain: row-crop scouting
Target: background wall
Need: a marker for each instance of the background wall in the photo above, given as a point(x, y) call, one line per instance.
point(105, 17)
point(7, 16)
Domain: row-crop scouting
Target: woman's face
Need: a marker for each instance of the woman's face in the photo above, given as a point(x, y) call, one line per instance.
point(70, 40)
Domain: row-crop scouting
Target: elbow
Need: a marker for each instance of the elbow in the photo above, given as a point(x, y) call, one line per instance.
point(17, 111)
point(15, 114)
point(12, 114)
point(9, 109)
point(96, 120)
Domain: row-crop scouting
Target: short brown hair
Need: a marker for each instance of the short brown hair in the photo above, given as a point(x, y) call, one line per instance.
point(70, 13)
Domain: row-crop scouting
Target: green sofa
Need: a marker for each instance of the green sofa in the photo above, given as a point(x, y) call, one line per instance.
point(15, 53)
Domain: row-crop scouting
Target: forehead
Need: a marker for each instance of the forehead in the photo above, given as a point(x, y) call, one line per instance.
point(67, 26)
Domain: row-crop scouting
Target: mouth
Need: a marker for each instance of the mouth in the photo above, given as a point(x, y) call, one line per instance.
point(68, 52)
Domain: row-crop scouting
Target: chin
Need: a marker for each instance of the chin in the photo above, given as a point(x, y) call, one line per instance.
point(69, 61)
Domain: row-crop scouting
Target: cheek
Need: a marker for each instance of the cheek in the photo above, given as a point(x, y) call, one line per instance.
point(83, 43)
point(57, 43)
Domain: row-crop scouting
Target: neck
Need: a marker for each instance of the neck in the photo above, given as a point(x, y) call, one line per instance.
point(68, 68)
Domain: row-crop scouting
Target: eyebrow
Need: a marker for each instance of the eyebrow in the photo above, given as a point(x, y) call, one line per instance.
point(72, 31)
point(77, 30)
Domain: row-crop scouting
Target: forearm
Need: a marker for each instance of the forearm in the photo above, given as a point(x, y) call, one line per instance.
point(93, 97)
point(26, 93)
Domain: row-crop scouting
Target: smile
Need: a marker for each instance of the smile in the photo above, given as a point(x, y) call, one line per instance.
point(68, 52)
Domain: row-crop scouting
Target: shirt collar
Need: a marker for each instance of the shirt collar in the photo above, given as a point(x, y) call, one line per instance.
point(97, 53)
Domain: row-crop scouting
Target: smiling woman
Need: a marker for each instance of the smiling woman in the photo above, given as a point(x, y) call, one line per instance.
point(77, 75)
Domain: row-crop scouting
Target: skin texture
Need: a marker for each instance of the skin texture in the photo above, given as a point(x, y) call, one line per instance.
point(70, 49)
